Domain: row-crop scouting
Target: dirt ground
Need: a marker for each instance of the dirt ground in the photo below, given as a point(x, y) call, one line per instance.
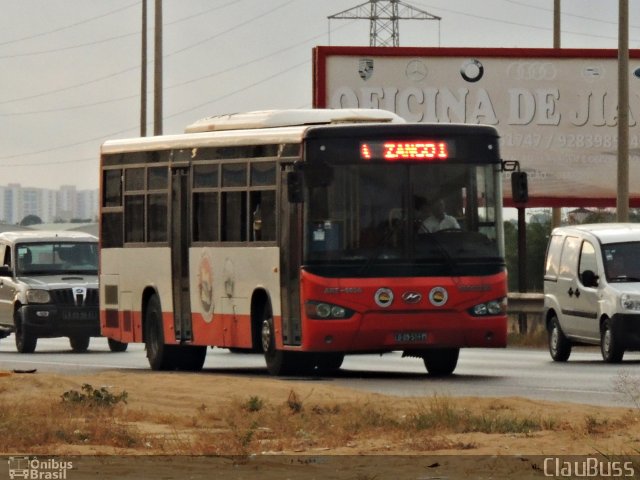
point(170, 412)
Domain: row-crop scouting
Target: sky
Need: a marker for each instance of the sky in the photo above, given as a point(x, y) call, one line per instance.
point(70, 69)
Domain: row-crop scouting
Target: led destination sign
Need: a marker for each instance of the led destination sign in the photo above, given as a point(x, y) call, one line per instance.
point(418, 150)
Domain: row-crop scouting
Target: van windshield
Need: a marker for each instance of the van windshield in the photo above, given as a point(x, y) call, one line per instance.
point(622, 261)
point(57, 258)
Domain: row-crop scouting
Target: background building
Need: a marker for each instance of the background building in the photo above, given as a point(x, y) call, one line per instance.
point(62, 205)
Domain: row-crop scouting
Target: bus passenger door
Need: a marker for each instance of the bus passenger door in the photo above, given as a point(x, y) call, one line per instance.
point(180, 253)
point(290, 258)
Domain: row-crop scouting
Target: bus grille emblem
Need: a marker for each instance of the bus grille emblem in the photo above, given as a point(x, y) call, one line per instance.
point(383, 297)
point(438, 296)
point(411, 297)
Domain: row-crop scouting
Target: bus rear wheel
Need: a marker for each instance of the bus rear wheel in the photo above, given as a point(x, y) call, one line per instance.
point(441, 362)
point(159, 354)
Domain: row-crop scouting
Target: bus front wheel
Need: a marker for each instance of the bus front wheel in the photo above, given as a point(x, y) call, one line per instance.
point(441, 362)
point(278, 362)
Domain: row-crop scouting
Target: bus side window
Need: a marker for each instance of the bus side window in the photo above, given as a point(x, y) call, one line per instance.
point(263, 216)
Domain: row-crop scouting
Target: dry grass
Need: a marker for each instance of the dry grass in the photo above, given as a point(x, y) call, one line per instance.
point(152, 413)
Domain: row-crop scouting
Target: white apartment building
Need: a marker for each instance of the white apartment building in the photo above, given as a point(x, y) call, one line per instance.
point(64, 204)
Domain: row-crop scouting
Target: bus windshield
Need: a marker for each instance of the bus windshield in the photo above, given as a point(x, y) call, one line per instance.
point(402, 219)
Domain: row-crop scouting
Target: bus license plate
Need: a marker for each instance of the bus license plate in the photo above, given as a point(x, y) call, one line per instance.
point(409, 337)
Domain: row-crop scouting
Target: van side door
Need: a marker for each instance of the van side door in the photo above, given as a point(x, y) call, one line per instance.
point(567, 285)
point(586, 293)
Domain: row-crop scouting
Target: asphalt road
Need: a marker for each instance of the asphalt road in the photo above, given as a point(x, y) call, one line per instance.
point(507, 372)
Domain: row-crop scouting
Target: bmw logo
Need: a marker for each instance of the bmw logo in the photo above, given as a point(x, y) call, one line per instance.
point(383, 297)
point(472, 70)
point(636, 72)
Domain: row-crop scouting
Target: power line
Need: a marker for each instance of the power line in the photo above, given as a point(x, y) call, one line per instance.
point(137, 67)
point(517, 24)
point(71, 25)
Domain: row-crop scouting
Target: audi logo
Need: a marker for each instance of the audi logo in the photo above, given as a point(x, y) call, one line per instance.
point(532, 71)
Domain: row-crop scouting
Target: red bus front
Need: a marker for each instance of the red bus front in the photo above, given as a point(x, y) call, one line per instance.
point(402, 243)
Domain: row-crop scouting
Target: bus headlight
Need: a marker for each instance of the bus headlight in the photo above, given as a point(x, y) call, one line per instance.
point(326, 311)
point(493, 307)
point(630, 302)
point(38, 296)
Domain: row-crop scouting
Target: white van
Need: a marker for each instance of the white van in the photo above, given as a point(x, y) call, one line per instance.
point(592, 289)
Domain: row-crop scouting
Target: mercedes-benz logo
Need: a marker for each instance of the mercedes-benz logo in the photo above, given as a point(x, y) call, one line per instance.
point(416, 70)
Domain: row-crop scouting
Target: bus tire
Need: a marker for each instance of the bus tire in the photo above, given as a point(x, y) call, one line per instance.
point(80, 343)
point(159, 354)
point(559, 345)
point(190, 358)
point(327, 363)
point(25, 342)
point(441, 362)
point(610, 344)
point(116, 346)
point(279, 362)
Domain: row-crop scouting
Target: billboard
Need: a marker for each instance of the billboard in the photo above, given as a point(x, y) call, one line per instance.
point(555, 109)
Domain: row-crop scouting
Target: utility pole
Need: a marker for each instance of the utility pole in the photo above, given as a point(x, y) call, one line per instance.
point(157, 71)
point(556, 212)
point(622, 202)
point(143, 73)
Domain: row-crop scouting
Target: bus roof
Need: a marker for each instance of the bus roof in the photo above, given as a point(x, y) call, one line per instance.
point(290, 118)
point(276, 126)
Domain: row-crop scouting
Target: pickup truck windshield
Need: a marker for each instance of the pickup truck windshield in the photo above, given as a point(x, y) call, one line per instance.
point(57, 258)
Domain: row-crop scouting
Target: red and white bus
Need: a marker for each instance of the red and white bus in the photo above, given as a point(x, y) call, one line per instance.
point(297, 233)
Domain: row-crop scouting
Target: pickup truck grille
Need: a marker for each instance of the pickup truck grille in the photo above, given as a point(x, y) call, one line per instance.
point(81, 297)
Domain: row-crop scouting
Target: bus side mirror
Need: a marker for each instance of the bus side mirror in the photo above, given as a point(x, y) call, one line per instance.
point(519, 187)
point(295, 184)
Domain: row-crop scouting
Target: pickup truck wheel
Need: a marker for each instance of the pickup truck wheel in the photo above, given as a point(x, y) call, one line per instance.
point(559, 345)
point(610, 345)
point(25, 342)
point(116, 346)
point(79, 344)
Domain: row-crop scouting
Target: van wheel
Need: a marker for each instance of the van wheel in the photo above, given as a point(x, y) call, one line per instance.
point(79, 344)
point(610, 345)
point(559, 345)
point(441, 362)
point(25, 342)
point(116, 346)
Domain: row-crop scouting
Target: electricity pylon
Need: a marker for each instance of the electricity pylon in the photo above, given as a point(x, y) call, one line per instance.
point(383, 16)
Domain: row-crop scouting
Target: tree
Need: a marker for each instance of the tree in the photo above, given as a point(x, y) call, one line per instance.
point(30, 220)
point(537, 239)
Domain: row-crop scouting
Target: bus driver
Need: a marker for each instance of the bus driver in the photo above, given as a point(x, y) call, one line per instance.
point(438, 219)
